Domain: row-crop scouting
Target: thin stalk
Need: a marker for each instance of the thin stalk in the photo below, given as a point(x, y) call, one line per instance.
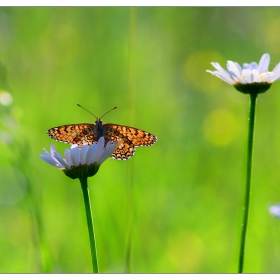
point(38, 228)
point(131, 103)
point(40, 240)
point(253, 99)
point(84, 186)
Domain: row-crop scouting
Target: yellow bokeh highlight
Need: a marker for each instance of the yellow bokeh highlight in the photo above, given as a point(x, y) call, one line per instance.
point(273, 40)
point(220, 127)
point(185, 251)
point(195, 70)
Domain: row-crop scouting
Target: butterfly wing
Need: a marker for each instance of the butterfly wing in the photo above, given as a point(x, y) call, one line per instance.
point(137, 136)
point(130, 138)
point(79, 134)
point(124, 151)
point(74, 133)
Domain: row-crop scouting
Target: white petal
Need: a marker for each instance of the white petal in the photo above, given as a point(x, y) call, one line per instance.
point(234, 69)
point(251, 66)
point(67, 155)
point(248, 76)
point(221, 72)
point(246, 66)
point(75, 155)
point(276, 67)
point(217, 66)
point(50, 158)
point(226, 78)
point(91, 154)
point(276, 72)
point(257, 78)
point(99, 149)
point(46, 153)
point(50, 161)
point(59, 158)
point(107, 152)
point(83, 152)
point(238, 67)
point(264, 63)
point(52, 150)
point(267, 77)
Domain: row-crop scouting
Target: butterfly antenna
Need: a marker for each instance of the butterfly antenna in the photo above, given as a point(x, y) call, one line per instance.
point(109, 111)
point(86, 110)
point(93, 114)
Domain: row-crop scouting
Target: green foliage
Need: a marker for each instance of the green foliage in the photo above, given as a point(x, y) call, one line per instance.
point(183, 196)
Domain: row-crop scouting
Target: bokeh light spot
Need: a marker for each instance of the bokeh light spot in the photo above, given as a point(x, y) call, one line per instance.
point(272, 40)
point(6, 98)
point(185, 251)
point(220, 127)
point(195, 70)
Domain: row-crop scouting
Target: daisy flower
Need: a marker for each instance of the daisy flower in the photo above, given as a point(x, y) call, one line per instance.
point(80, 162)
point(251, 77)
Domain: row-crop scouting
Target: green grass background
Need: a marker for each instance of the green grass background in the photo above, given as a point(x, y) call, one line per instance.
point(180, 199)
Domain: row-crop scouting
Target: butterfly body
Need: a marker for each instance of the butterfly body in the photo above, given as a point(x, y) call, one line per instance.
point(88, 133)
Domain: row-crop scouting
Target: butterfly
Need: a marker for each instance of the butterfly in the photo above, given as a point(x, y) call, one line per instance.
point(90, 133)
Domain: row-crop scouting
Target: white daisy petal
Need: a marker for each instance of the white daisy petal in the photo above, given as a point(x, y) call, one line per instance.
point(276, 68)
point(84, 151)
point(264, 63)
point(52, 149)
point(248, 76)
point(90, 158)
point(75, 154)
point(276, 74)
point(59, 158)
point(226, 77)
point(108, 151)
point(50, 161)
point(68, 159)
point(256, 76)
point(99, 149)
point(232, 67)
point(221, 73)
point(267, 77)
point(46, 153)
point(238, 67)
point(251, 66)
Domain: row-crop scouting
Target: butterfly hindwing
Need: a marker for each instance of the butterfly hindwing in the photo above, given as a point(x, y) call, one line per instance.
point(124, 151)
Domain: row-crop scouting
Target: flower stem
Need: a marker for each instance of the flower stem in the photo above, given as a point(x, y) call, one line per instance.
point(253, 99)
point(84, 186)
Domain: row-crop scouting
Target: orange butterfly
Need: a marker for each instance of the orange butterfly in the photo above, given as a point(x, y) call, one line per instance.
point(90, 133)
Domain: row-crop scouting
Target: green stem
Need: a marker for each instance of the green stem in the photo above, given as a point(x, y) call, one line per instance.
point(84, 186)
point(253, 99)
point(131, 101)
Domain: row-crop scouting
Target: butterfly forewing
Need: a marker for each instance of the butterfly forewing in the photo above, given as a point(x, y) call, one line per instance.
point(90, 133)
point(68, 133)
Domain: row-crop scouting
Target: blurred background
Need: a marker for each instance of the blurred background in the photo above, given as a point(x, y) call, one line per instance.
point(175, 207)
